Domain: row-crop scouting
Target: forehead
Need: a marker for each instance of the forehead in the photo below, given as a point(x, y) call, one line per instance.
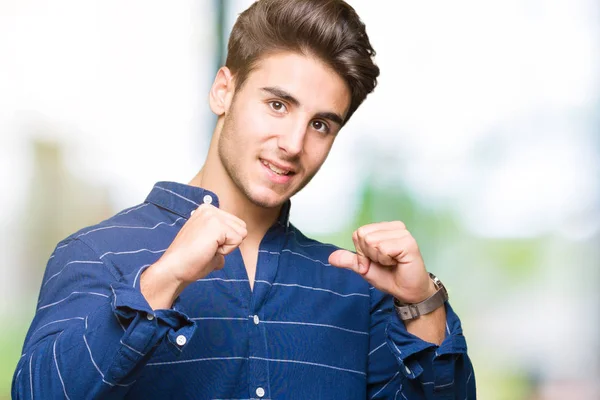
point(313, 83)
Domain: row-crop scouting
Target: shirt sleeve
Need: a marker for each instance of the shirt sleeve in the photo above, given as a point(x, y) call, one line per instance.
point(93, 330)
point(403, 366)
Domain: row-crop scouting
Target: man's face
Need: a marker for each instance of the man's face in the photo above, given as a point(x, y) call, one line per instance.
point(281, 125)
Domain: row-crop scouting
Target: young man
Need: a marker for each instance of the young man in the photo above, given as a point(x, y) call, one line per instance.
point(206, 291)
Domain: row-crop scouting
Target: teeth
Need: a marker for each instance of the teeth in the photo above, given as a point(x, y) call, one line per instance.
point(275, 169)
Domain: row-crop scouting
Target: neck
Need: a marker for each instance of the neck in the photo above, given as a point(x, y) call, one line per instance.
point(213, 177)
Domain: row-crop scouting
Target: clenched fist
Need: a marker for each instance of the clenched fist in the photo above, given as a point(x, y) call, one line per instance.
point(197, 250)
point(388, 257)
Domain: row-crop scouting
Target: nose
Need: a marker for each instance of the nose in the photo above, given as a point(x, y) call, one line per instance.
point(291, 140)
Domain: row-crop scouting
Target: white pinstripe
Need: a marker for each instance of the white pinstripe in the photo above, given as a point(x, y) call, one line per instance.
point(131, 227)
point(132, 209)
point(114, 297)
point(71, 262)
point(313, 324)
point(396, 347)
point(54, 322)
point(96, 365)
point(131, 348)
point(316, 289)
point(114, 307)
point(138, 273)
point(196, 360)
point(119, 321)
point(221, 279)
point(219, 318)
point(178, 195)
point(308, 363)
point(31, 376)
point(132, 252)
point(58, 369)
point(384, 386)
point(72, 293)
point(297, 254)
point(398, 392)
point(377, 348)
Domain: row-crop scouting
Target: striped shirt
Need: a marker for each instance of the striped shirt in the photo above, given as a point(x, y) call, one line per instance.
point(307, 330)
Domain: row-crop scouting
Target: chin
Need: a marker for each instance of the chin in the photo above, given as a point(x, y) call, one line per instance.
point(267, 199)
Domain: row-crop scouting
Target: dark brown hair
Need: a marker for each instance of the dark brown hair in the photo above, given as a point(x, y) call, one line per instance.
point(328, 29)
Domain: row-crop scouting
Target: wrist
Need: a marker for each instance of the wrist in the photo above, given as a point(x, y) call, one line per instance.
point(429, 289)
point(159, 286)
point(410, 311)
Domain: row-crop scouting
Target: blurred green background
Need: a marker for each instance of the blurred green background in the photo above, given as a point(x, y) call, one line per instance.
point(482, 136)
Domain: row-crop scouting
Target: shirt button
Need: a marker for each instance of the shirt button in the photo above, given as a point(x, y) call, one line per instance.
point(149, 317)
point(256, 320)
point(207, 199)
point(260, 392)
point(192, 212)
point(181, 340)
point(407, 370)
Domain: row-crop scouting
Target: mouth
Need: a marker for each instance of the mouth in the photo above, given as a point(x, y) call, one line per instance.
point(278, 169)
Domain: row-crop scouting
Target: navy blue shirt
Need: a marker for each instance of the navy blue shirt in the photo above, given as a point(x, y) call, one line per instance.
point(307, 330)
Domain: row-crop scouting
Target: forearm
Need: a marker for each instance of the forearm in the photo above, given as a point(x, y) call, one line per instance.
point(430, 328)
point(84, 357)
point(159, 287)
point(93, 331)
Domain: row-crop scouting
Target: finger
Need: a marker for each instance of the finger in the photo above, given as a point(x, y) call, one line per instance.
point(363, 261)
point(371, 245)
point(226, 249)
point(381, 226)
point(221, 214)
point(404, 250)
point(233, 226)
point(231, 238)
point(231, 218)
point(344, 259)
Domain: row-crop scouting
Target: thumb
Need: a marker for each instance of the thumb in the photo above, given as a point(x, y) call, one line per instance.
point(345, 259)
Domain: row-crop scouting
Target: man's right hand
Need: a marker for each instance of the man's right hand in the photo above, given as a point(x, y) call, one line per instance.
point(197, 250)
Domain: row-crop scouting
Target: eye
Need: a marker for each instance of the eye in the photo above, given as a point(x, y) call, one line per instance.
point(277, 106)
point(320, 126)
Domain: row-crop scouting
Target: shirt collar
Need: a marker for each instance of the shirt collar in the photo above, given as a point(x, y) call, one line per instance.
point(183, 199)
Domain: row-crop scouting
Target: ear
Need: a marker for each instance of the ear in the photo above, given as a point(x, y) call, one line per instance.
point(221, 91)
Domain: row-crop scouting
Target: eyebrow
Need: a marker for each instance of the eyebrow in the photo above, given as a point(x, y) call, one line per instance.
point(282, 94)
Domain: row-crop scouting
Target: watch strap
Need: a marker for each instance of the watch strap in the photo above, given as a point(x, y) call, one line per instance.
point(411, 311)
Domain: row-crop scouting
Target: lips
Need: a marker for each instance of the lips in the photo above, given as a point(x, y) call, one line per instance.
point(277, 168)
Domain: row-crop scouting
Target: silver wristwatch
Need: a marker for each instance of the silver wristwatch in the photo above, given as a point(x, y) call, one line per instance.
point(411, 311)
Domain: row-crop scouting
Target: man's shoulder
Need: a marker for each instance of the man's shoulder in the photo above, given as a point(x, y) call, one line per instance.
point(143, 226)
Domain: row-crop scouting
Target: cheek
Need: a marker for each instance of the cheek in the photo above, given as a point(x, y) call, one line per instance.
point(254, 123)
point(317, 150)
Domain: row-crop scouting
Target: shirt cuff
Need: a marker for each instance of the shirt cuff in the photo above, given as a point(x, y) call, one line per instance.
point(131, 308)
point(410, 350)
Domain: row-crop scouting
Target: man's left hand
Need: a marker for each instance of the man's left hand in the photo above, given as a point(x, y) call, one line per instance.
point(388, 257)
